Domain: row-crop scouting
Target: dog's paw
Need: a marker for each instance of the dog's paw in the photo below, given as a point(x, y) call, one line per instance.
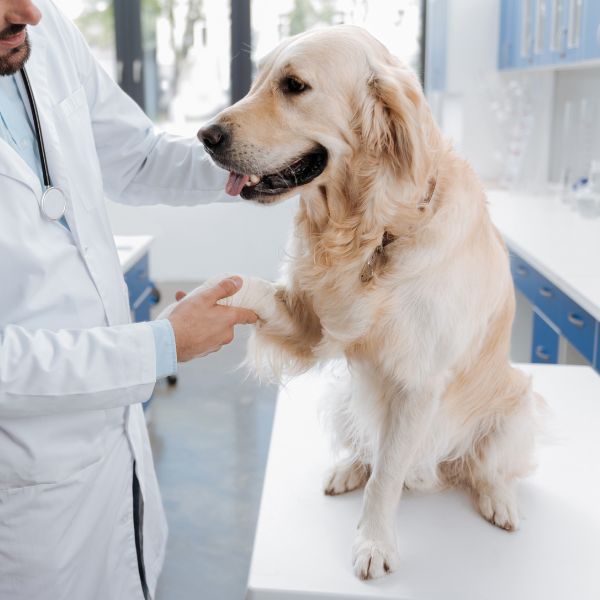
point(345, 477)
point(373, 558)
point(500, 509)
point(255, 294)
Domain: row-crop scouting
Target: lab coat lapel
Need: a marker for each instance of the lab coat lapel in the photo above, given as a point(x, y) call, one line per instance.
point(12, 165)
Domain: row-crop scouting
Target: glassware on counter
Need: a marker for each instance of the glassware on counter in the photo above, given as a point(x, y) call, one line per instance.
point(586, 197)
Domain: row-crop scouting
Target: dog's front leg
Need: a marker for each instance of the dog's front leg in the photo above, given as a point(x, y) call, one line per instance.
point(407, 418)
point(288, 328)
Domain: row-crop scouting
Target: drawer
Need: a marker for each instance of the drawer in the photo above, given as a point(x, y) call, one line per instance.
point(526, 279)
point(597, 363)
point(547, 297)
point(539, 290)
point(578, 326)
point(137, 279)
point(574, 323)
point(140, 309)
point(545, 342)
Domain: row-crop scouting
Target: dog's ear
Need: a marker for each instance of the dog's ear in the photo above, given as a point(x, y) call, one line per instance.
point(391, 124)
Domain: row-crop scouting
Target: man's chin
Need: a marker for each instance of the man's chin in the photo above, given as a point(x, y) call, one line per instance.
point(14, 60)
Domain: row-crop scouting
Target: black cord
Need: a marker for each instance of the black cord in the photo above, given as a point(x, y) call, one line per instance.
point(38, 129)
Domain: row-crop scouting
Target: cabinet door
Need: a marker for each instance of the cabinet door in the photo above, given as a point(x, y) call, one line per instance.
point(544, 346)
point(557, 31)
point(523, 31)
point(435, 56)
point(542, 32)
point(591, 29)
point(507, 47)
point(597, 360)
point(574, 30)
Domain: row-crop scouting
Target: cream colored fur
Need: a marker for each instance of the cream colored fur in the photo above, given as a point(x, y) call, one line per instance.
point(432, 399)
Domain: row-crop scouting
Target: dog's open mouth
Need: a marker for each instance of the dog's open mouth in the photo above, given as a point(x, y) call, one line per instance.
point(300, 172)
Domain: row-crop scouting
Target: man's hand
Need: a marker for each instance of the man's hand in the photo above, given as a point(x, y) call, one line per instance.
point(202, 326)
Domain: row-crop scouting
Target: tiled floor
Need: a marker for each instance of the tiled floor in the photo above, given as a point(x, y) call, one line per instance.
point(210, 436)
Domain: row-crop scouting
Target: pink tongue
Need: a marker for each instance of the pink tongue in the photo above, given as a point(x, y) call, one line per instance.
point(235, 184)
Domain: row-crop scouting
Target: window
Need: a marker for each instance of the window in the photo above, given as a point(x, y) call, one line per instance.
point(180, 73)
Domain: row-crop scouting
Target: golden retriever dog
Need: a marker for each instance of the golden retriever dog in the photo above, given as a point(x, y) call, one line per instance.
point(394, 265)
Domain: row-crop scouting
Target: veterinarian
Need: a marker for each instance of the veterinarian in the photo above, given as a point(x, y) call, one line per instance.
point(80, 510)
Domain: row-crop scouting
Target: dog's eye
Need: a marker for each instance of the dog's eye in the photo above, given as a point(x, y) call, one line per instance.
point(292, 85)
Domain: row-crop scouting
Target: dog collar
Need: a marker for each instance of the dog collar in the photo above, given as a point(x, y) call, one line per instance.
point(368, 271)
point(378, 256)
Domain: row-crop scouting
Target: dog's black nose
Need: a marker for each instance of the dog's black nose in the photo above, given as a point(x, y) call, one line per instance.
point(214, 137)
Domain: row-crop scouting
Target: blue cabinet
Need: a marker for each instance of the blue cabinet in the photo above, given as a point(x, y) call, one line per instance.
point(574, 34)
point(548, 32)
point(516, 34)
point(555, 315)
point(591, 29)
point(545, 341)
point(436, 45)
point(597, 362)
point(508, 45)
point(557, 27)
point(142, 292)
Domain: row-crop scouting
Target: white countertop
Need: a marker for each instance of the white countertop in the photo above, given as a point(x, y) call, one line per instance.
point(448, 552)
point(553, 238)
point(131, 248)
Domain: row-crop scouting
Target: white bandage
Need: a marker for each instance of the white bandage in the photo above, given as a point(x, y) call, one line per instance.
point(255, 294)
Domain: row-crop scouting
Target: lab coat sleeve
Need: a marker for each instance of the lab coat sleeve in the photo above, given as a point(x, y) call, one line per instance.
point(45, 372)
point(139, 165)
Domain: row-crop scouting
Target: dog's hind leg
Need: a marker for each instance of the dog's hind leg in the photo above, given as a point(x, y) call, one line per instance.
point(497, 502)
point(500, 458)
point(347, 475)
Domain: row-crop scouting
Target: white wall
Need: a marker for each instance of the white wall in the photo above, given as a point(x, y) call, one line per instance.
point(194, 243)
point(576, 123)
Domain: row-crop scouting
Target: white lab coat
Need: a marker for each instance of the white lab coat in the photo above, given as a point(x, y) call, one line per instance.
point(73, 370)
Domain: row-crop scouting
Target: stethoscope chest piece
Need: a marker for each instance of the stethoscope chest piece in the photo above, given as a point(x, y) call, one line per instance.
point(53, 204)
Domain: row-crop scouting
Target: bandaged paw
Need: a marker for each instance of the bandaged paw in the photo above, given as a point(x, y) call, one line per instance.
point(255, 294)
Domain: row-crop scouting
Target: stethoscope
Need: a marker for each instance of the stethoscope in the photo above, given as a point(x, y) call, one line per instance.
point(53, 203)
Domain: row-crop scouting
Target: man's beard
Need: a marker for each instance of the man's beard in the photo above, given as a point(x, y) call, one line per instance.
point(15, 58)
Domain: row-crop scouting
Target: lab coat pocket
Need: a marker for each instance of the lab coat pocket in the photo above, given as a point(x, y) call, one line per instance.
point(50, 448)
point(76, 136)
point(43, 535)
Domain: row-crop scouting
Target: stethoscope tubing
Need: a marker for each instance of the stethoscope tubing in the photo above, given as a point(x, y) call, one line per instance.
point(53, 203)
point(38, 130)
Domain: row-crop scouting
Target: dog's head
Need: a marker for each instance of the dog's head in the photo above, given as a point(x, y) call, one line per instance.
point(320, 100)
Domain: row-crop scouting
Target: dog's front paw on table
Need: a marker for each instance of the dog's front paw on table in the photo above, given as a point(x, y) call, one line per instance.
point(346, 476)
point(499, 507)
point(373, 558)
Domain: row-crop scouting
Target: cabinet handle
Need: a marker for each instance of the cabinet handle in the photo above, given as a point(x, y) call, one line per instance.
point(522, 271)
point(557, 29)
point(574, 34)
point(526, 31)
point(575, 320)
point(539, 352)
point(538, 44)
point(546, 293)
